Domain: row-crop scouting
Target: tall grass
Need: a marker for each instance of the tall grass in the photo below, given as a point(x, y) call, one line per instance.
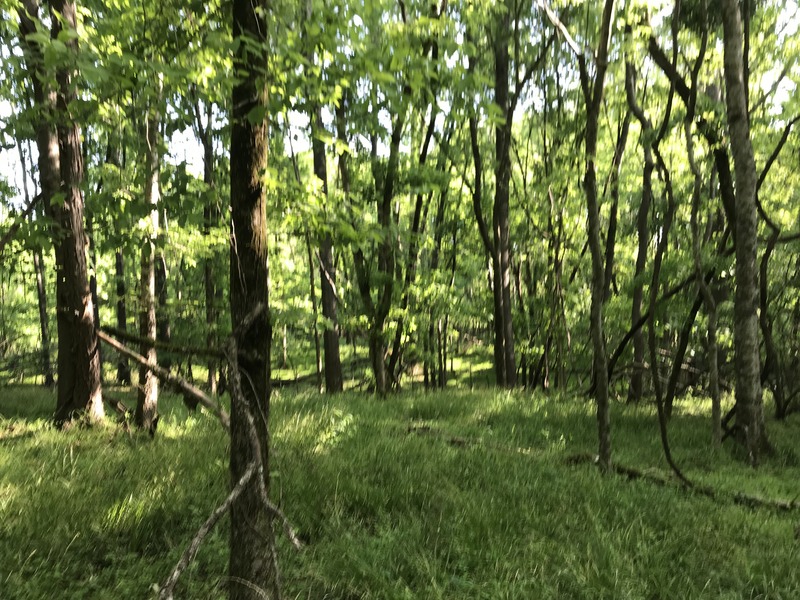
point(451, 495)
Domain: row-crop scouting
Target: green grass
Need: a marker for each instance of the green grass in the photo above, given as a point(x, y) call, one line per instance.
point(388, 513)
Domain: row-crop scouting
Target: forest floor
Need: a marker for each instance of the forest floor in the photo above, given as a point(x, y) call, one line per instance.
point(447, 495)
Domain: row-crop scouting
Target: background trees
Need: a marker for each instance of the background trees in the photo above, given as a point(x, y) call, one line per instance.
point(425, 177)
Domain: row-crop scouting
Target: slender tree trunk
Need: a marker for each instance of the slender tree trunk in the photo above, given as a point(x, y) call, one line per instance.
point(314, 313)
point(611, 236)
point(41, 290)
point(123, 368)
point(327, 271)
point(41, 294)
point(330, 336)
point(252, 569)
point(593, 94)
point(749, 407)
point(147, 402)
point(500, 213)
point(164, 332)
point(643, 241)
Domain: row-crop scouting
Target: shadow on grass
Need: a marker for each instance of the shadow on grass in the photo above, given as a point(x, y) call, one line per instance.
point(27, 402)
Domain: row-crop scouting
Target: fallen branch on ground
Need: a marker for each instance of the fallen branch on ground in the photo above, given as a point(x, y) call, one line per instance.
point(739, 498)
point(186, 387)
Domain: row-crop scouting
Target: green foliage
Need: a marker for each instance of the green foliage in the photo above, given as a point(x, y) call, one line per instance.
point(439, 496)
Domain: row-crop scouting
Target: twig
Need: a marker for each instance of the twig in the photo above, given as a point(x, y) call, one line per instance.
point(186, 387)
point(188, 555)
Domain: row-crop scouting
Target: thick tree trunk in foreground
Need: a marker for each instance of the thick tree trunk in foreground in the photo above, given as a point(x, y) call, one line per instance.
point(749, 408)
point(252, 567)
point(79, 389)
point(147, 403)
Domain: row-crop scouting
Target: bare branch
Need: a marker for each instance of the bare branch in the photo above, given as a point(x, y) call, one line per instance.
point(188, 555)
point(161, 373)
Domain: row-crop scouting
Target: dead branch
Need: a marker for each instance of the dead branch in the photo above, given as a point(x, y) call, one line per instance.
point(188, 555)
point(186, 387)
point(168, 347)
point(739, 498)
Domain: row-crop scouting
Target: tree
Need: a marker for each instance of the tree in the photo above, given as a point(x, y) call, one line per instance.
point(749, 407)
point(61, 160)
point(252, 569)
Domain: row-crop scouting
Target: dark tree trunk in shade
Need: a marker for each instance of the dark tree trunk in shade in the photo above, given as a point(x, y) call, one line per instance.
point(164, 333)
point(79, 387)
point(146, 413)
point(318, 368)
point(93, 281)
point(123, 368)
point(749, 407)
point(252, 567)
point(211, 217)
point(41, 294)
point(327, 271)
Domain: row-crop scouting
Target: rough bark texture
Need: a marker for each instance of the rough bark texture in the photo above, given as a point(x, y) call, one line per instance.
point(79, 389)
point(252, 568)
point(501, 258)
point(749, 409)
point(147, 401)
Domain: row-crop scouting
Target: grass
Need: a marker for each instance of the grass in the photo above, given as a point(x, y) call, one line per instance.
point(391, 513)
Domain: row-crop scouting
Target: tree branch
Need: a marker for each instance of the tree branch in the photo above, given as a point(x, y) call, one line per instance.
point(186, 387)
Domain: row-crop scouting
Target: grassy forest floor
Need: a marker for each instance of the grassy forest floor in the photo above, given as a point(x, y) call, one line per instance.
point(451, 495)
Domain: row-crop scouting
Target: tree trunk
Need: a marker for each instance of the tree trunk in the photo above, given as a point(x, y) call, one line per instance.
point(593, 94)
point(147, 401)
point(79, 387)
point(643, 239)
point(314, 313)
point(330, 337)
point(327, 272)
point(500, 213)
point(164, 332)
point(252, 568)
point(749, 408)
point(123, 368)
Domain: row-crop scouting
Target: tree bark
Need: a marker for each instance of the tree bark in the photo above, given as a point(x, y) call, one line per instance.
point(327, 271)
point(749, 407)
point(79, 387)
point(500, 213)
point(593, 93)
point(147, 398)
point(252, 567)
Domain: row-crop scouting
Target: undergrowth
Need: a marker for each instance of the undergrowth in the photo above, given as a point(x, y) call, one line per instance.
point(449, 495)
